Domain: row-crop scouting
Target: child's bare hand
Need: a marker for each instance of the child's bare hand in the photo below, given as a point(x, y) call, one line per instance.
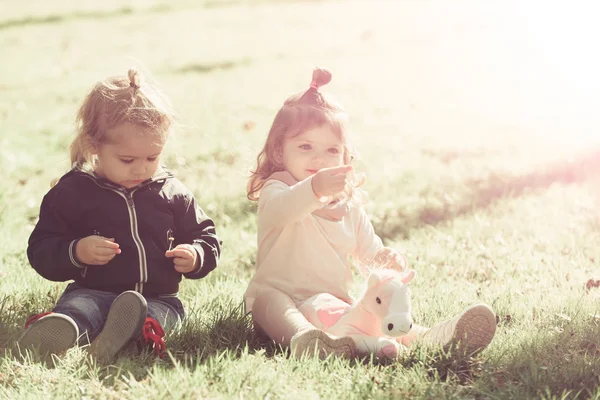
point(184, 257)
point(390, 258)
point(96, 250)
point(330, 181)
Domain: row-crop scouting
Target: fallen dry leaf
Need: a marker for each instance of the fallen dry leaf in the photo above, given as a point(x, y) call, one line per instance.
point(592, 283)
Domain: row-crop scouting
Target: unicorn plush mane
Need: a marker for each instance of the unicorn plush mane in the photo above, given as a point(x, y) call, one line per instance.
point(383, 275)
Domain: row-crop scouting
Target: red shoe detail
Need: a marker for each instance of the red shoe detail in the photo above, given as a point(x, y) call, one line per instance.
point(153, 334)
point(34, 318)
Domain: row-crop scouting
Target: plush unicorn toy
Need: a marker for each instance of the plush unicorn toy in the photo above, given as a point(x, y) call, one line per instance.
point(375, 320)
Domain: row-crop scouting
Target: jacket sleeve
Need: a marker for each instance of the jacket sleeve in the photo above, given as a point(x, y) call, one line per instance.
point(368, 243)
point(51, 247)
point(280, 204)
point(196, 228)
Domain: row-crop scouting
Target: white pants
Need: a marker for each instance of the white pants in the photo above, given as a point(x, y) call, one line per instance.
point(276, 314)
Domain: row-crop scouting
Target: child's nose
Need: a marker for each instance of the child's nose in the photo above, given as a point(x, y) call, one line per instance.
point(139, 169)
point(319, 159)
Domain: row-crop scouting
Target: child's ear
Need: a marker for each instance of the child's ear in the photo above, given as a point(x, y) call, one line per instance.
point(91, 148)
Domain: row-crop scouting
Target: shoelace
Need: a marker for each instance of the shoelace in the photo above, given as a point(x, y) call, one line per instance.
point(34, 318)
point(153, 334)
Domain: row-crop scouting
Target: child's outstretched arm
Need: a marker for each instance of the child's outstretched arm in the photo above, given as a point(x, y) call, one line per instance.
point(52, 244)
point(280, 204)
point(368, 244)
point(370, 250)
point(194, 230)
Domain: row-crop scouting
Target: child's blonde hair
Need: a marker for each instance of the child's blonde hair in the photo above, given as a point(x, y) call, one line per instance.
point(301, 112)
point(118, 100)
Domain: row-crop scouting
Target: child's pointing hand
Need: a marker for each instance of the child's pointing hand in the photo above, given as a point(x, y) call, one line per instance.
point(185, 258)
point(96, 250)
point(330, 181)
point(390, 258)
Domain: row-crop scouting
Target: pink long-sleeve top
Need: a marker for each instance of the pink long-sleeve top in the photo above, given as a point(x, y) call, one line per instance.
point(302, 254)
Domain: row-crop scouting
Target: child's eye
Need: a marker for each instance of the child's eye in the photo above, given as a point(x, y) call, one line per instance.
point(127, 160)
point(333, 150)
point(152, 159)
point(305, 146)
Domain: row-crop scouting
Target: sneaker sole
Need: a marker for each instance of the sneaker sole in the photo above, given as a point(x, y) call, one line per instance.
point(482, 322)
point(317, 341)
point(124, 322)
point(52, 334)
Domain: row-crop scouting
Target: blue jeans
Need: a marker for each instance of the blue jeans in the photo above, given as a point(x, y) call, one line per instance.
point(89, 309)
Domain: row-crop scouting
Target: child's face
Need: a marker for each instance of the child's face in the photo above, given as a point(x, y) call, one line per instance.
point(130, 156)
point(312, 150)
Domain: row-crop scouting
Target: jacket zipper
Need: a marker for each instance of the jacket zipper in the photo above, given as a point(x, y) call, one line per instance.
point(139, 287)
point(137, 240)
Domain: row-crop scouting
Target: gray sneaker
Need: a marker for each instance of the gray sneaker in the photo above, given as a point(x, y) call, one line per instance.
point(469, 332)
point(52, 333)
point(317, 342)
point(123, 323)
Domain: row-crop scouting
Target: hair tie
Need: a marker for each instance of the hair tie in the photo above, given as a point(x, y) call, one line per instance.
point(313, 85)
point(133, 85)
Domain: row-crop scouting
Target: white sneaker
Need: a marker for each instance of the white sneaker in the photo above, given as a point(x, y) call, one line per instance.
point(317, 342)
point(469, 332)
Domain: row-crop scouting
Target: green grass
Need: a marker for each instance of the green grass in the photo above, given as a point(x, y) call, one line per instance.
point(477, 132)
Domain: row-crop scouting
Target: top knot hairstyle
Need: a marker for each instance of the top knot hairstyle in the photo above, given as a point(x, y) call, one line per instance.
point(320, 77)
point(118, 100)
point(313, 96)
point(134, 78)
point(299, 113)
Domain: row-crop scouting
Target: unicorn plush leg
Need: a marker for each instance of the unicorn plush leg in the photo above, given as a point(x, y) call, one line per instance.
point(380, 346)
point(415, 333)
point(470, 332)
